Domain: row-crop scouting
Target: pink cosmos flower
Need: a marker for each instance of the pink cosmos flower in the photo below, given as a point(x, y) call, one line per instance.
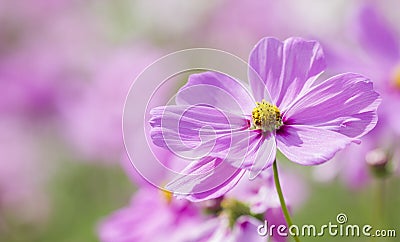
point(220, 122)
point(154, 216)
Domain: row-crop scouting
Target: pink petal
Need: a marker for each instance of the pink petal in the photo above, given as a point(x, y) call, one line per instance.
point(345, 103)
point(144, 206)
point(275, 216)
point(376, 35)
point(264, 157)
point(308, 145)
point(240, 149)
point(284, 68)
point(216, 90)
point(245, 230)
point(196, 129)
point(205, 179)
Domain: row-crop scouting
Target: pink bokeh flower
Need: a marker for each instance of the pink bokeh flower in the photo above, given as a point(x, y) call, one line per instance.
point(154, 216)
point(24, 173)
point(259, 18)
point(93, 120)
point(228, 128)
point(375, 52)
point(261, 197)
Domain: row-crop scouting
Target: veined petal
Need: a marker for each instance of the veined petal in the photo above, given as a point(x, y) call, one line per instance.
point(205, 179)
point(239, 149)
point(284, 68)
point(264, 156)
point(345, 104)
point(216, 90)
point(195, 117)
point(308, 145)
point(266, 64)
point(376, 36)
point(198, 131)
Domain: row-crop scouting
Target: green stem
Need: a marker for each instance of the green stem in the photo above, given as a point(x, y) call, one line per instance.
point(378, 214)
point(282, 200)
point(381, 201)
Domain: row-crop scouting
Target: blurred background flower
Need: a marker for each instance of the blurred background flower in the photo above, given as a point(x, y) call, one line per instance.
point(65, 70)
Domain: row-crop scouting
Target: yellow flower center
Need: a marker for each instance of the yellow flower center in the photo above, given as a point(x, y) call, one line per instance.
point(266, 116)
point(167, 195)
point(396, 77)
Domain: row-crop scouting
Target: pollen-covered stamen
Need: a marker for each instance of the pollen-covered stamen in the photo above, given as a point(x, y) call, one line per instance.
point(266, 116)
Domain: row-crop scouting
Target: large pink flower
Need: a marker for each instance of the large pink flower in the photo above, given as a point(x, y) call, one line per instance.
point(227, 128)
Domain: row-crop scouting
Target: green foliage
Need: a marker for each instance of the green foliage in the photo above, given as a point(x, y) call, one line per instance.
point(82, 194)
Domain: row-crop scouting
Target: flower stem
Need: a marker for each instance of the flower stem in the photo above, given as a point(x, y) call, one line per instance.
point(282, 199)
point(380, 201)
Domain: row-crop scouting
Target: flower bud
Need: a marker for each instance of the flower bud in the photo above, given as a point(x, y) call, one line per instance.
point(377, 160)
